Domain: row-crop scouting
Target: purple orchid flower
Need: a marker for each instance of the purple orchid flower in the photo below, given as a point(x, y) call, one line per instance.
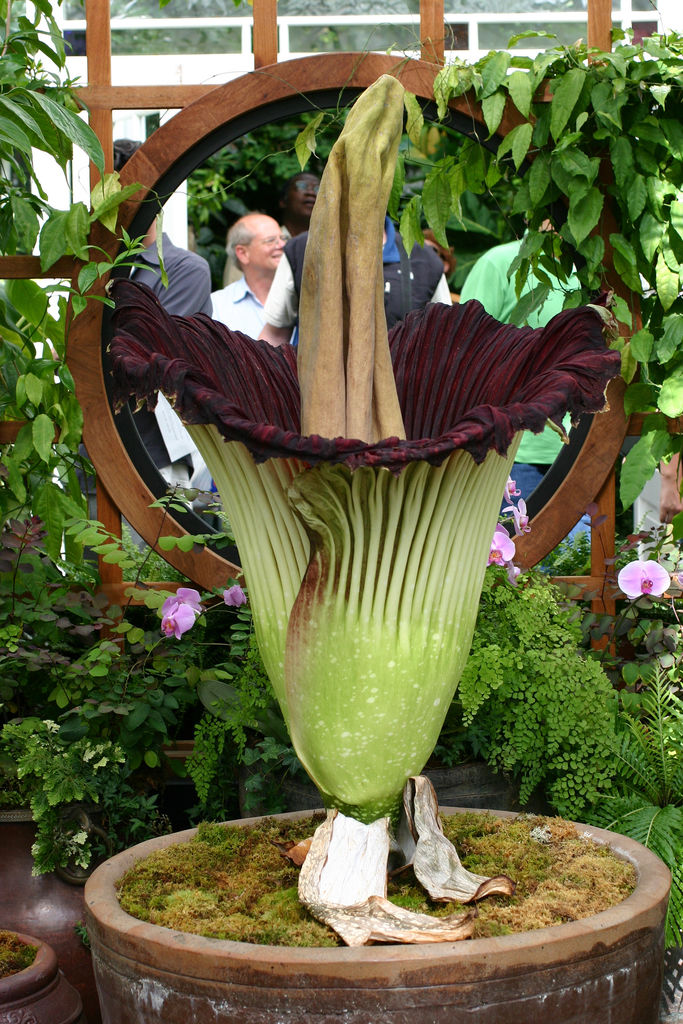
point(520, 517)
point(179, 612)
point(648, 579)
point(502, 547)
point(234, 596)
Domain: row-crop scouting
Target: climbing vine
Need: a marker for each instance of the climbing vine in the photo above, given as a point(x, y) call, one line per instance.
point(598, 144)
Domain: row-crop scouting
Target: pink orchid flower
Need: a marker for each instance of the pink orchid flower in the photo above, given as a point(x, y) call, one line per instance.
point(519, 514)
point(234, 596)
point(511, 491)
point(502, 547)
point(180, 611)
point(643, 578)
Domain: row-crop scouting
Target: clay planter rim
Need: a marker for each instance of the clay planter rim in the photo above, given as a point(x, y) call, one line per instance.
point(37, 975)
point(222, 957)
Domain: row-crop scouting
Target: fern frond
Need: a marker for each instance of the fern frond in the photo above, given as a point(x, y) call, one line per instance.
point(658, 828)
point(634, 765)
point(674, 918)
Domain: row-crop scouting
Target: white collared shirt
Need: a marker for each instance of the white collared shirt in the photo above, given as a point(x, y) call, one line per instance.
point(237, 307)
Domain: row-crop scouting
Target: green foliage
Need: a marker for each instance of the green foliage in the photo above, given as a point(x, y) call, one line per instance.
point(57, 777)
point(571, 557)
point(645, 799)
point(609, 139)
point(241, 725)
point(540, 705)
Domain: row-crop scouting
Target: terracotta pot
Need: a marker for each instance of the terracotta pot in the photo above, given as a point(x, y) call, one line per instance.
point(44, 905)
point(602, 969)
point(40, 994)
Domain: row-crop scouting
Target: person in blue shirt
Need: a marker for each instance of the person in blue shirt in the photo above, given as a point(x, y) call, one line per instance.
point(255, 242)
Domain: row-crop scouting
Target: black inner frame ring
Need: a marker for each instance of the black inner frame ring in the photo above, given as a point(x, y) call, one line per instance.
point(279, 110)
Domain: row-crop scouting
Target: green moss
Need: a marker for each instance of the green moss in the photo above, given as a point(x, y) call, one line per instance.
point(15, 955)
point(234, 883)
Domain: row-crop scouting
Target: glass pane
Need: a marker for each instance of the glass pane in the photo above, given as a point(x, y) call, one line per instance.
point(150, 9)
point(513, 6)
point(319, 38)
point(170, 40)
point(456, 37)
point(496, 37)
point(381, 8)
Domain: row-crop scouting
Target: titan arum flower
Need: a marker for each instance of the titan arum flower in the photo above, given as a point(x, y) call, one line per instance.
point(362, 478)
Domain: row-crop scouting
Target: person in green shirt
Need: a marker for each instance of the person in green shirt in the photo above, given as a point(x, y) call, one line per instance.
point(488, 282)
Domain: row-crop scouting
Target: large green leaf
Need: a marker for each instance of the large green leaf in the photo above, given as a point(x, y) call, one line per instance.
point(566, 93)
point(519, 85)
point(518, 142)
point(53, 238)
point(584, 213)
point(671, 395)
point(492, 108)
point(76, 130)
point(436, 203)
point(667, 283)
point(641, 462)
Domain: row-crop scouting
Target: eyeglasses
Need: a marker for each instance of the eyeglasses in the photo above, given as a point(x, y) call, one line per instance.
point(306, 186)
point(271, 240)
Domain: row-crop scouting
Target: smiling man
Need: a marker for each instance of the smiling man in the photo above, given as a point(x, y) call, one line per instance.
point(256, 243)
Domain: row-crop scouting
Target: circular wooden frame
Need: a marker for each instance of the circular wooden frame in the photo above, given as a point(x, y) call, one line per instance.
point(160, 165)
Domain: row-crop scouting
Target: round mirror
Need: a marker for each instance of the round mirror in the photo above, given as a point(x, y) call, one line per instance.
point(162, 164)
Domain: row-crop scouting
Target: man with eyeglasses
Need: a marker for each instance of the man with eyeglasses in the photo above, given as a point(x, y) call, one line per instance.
point(256, 243)
point(297, 199)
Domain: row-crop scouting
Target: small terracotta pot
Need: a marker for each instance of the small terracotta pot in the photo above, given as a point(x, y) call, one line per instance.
point(599, 970)
point(40, 994)
point(44, 905)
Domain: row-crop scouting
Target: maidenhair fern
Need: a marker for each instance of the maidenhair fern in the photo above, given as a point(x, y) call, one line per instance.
point(541, 703)
point(645, 800)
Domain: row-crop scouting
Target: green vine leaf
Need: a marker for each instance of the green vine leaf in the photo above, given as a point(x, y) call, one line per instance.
point(650, 235)
point(636, 197)
point(492, 108)
point(518, 142)
point(566, 93)
point(436, 203)
point(584, 213)
point(305, 142)
point(494, 69)
point(671, 340)
point(520, 87)
point(676, 212)
point(410, 229)
point(641, 462)
point(414, 118)
point(666, 282)
point(539, 178)
point(43, 433)
point(642, 344)
point(671, 395)
point(639, 397)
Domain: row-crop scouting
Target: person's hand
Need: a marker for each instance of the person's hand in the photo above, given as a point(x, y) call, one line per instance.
point(670, 501)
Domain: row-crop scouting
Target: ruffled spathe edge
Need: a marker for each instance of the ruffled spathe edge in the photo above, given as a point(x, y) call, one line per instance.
point(464, 380)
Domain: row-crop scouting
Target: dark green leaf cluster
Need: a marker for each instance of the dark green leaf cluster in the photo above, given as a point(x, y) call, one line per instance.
point(63, 779)
point(541, 704)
